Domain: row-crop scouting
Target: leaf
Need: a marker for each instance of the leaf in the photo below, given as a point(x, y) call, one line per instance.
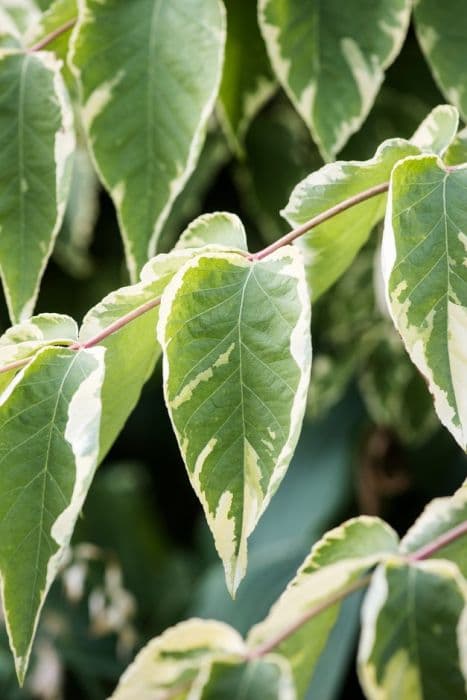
point(411, 637)
point(247, 81)
point(218, 228)
point(133, 351)
point(169, 665)
point(58, 15)
point(457, 151)
point(145, 154)
point(331, 57)
point(394, 392)
point(25, 339)
point(442, 40)
point(424, 267)
point(75, 237)
point(330, 248)
point(236, 341)
point(49, 429)
point(336, 561)
point(268, 678)
point(24, 13)
point(37, 141)
point(440, 516)
point(436, 133)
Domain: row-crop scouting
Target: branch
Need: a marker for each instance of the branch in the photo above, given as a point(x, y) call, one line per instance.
point(306, 617)
point(439, 543)
point(110, 330)
point(421, 554)
point(53, 35)
point(321, 218)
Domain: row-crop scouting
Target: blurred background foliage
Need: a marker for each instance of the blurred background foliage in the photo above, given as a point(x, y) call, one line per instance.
point(143, 558)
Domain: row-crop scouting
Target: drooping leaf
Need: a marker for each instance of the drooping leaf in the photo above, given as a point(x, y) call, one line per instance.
point(436, 133)
point(25, 339)
point(330, 58)
point(442, 40)
point(268, 678)
point(132, 351)
point(49, 430)
point(218, 228)
point(330, 248)
point(145, 154)
point(236, 341)
point(335, 562)
point(424, 265)
point(247, 81)
point(169, 666)
point(36, 142)
point(411, 632)
point(440, 516)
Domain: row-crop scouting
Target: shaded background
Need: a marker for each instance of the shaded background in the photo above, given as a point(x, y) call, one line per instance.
point(143, 558)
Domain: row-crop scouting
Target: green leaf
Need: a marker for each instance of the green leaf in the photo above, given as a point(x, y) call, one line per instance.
point(424, 259)
point(443, 39)
point(266, 679)
point(73, 242)
point(247, 81)
point(25, 339)
point(411, 633)
point(133, 351)
point(457, 151)
point(335, 562)
point(440, 516)
point(236, 340)
point(23, 13)
point(169, 666)
point(330, 248)
point(36, 141)
point(436, 133)
point(394, 392)
point(218, 228)
point(145, 154)
point(49, 430)
point(330, 58)
point(59, 14)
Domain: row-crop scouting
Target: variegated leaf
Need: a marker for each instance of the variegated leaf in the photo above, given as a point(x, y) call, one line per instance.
point(338, 560)
point(436, 133)
point(60, 14)
point(37, 142)
point(442, 33)
point(457, 151)
point(268, 678)
point(145, 153)
point(49, 441)
point(218, 228)
point(330, 248)
point(413, 632)
point(247, 81)
point(330, 58)
point(235, 335)
point(440, 516)
point(26, 338)
point(172, 665)
point(132, 351)
point(23, 13)
point(424, 260)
